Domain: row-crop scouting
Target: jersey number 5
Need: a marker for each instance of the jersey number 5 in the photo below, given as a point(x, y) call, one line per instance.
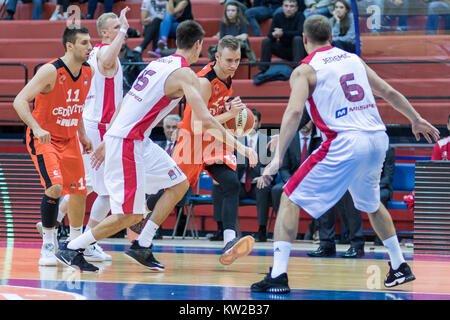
point(143, 79)
point(353, 92)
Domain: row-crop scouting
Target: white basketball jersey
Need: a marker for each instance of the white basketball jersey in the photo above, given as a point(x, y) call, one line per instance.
point(105, 93)
point(145, 105)
point(342, 99)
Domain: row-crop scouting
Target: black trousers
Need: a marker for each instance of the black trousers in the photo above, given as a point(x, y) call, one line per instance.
point(263, 201)
point(225, 195)
point(350, 217)
point(295, 52)
point(151, 34)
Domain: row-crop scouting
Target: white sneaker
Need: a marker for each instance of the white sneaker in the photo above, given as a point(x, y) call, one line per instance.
point(55, 239)
point(91, 254)
point(48, 255)
point(106, 256)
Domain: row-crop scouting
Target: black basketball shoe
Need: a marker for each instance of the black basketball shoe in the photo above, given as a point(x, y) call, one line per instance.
point(272, 285)
point(144, 256)
point(74, 259)
point(400, 276)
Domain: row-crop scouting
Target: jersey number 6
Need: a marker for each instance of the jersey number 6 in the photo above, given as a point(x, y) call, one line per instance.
point(353, 92)
point(143, 79)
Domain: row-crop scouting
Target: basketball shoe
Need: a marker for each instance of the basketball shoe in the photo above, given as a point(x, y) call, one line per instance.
point(402, 275)
point(236, 248)
point(47, 257)
point(144, 256)
point(92, 254)
point(75, 259)
point(272, 285)
point(55, 237)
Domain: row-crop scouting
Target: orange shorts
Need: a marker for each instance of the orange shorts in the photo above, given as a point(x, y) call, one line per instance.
point(58, 162)
point(192, 155)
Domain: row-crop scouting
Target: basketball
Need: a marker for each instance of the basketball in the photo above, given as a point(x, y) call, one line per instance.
point(242, 123)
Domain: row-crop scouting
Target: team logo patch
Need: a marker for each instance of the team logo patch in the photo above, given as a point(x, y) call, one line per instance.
point(341, 112)
point(172, 174)
point(73, 186)
point(216, 89)
point(62, 78)
point(86, 82)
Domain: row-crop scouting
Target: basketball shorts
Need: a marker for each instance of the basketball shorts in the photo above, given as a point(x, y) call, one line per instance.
point(94, 178)
point(134, 168)
point(193, 153)
point(58, 162)
point(351, 161)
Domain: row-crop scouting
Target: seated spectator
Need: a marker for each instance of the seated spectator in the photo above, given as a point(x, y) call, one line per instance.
point(92, 7)
point(285, 36)
point(442, 147)
point(262, 10)
point(152, 13)
point(12, 5)
point(234, 24)
point(435, 10)
point(248, 177)
point(396, 9)
point(343, 27)
point(317, 7)
point(177, 11)
point(59, 14)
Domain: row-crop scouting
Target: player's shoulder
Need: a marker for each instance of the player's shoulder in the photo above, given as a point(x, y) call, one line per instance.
point(443, 141)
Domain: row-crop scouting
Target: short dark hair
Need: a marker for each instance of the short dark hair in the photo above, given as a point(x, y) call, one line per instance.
point(317, 28)
point(188, 32)
point(257, 114)
point(71, 32)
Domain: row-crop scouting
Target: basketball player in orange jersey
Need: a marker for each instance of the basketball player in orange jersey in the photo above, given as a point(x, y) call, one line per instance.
point(214, 156)
point(55, 131)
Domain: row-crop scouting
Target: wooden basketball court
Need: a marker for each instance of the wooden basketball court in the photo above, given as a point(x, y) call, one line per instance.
point(193, 272)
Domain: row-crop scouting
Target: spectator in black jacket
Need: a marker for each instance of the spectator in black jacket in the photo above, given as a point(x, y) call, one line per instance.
point(285, 36)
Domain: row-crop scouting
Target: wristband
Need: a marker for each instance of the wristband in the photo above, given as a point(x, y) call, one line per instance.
point(123, 30)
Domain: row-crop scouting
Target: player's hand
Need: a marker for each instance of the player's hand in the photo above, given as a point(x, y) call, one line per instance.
point(235, 105)
point(123, 18)
point(270, 171)
point(259, 182)
point(86, 143)
point(422, 126)
point(252, 156)
point(98, 156)
point(42, 135)
point(272, 145)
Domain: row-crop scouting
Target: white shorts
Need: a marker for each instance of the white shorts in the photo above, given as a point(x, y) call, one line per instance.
point(351, 161)
point(134, 168)
point(94, 178)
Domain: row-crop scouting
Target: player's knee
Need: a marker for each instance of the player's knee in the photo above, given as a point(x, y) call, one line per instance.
point(231, 186)
point(54, 191)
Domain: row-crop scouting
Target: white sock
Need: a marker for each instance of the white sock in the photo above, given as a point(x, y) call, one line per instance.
point(281, 253)
point(61, 216)
point(48, 235)
point(75, 232)
point(395, 252)
point(228, 235)
point(82, 241)
point(146, 237)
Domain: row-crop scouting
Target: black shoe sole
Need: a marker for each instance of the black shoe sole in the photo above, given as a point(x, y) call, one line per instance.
point(154, 269)
point(397, 282)
point(280, 290)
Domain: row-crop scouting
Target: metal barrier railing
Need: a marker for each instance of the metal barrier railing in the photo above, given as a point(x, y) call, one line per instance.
point(14, 64)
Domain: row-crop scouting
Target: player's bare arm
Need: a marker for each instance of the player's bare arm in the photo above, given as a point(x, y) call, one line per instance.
point(185, 81)
point(302, 81)
point(42, 82)
point(107, 56)
point(400, 103)
point(86, 143)
point(233, 108)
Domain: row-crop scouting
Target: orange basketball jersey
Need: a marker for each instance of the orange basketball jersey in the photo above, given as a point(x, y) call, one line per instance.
point(59, 111)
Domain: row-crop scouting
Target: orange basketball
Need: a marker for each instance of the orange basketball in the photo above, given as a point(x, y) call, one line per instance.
point(242, 124)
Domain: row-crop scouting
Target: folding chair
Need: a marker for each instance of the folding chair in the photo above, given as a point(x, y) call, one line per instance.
point(205, 182)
